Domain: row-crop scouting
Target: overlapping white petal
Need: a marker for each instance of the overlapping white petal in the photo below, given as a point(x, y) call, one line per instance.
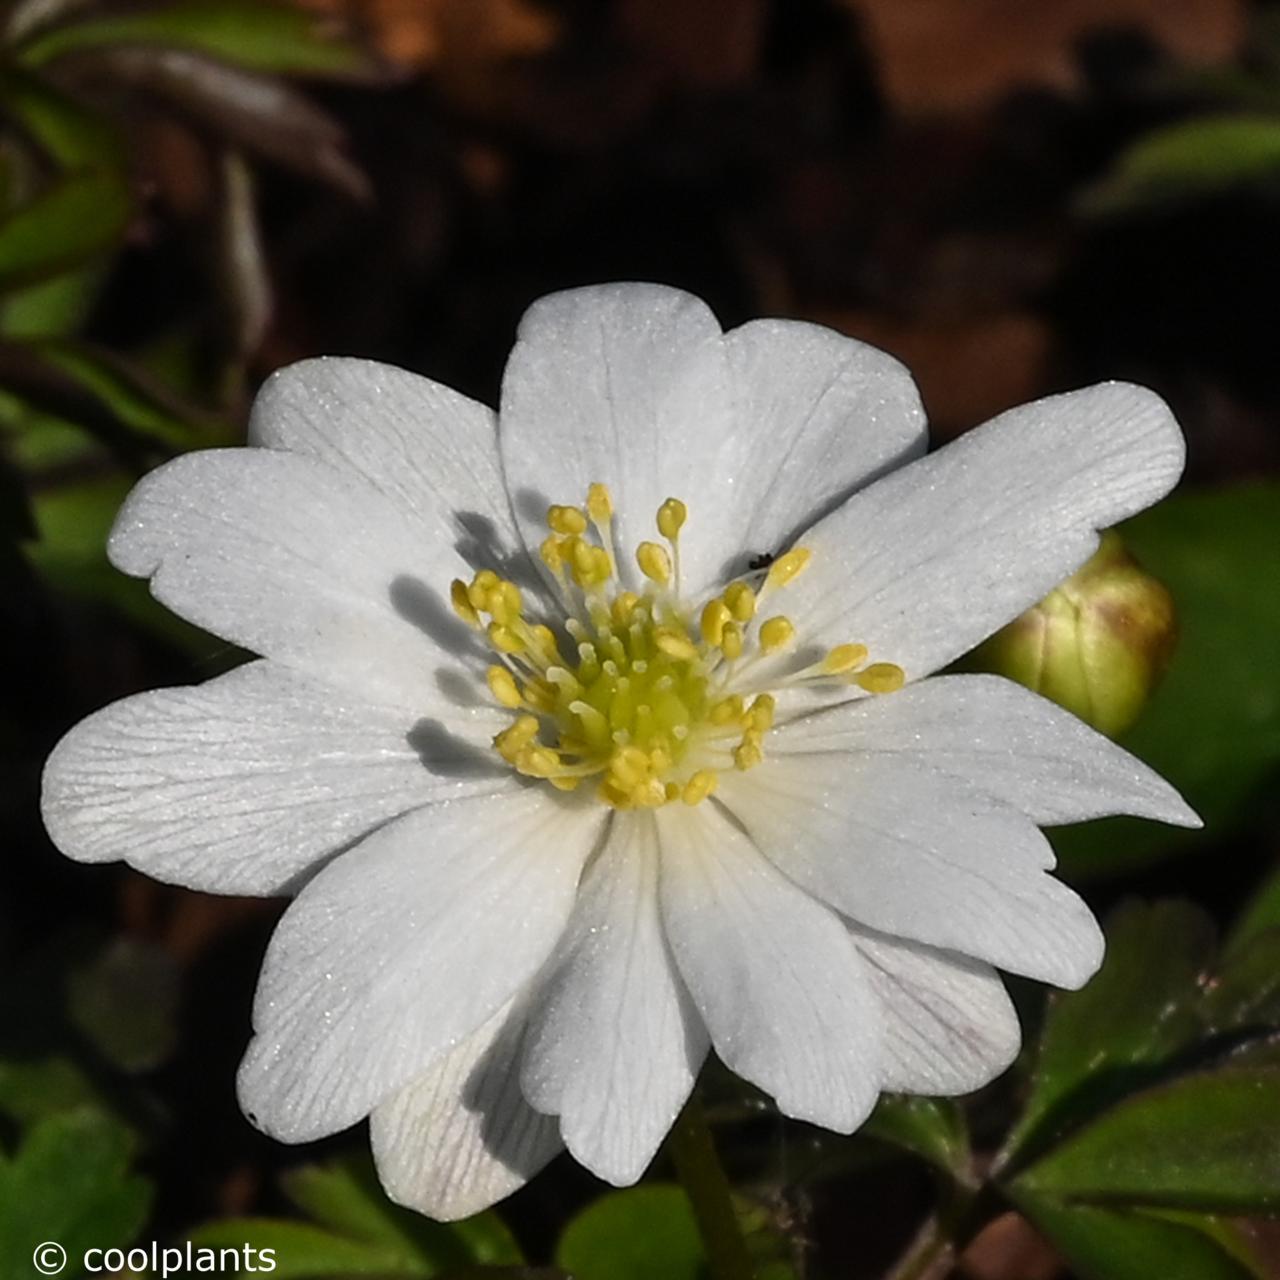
point(299, 561)
point(403, 947)
point(774, 974)
point(243, 784)
point(816, 416)
point(923, 564)
point(919, 856)
point(614, 1043)
point(949, 1025)
point(430, 450)
point(462, 1136)
point(636, 387)
point(1000, 738)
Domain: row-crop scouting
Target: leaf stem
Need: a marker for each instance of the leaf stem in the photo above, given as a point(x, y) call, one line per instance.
point(698, 1167)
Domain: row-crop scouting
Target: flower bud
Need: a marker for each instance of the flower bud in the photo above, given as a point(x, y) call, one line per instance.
point(1097, 645)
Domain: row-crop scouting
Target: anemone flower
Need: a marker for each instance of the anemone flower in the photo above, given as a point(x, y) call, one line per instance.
point(604, 730)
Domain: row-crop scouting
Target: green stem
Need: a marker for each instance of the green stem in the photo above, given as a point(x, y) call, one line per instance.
point(698, 1167)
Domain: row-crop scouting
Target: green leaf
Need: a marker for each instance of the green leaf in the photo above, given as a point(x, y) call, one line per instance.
point(31, 1089)
point(1189, 159)
point(1262, 912)
point(1245, 989)
point(69, 1182)
point(932, 1128)
point(637, 1234)
point(300, 1250)
point(1213, 728)
point(254, 34)
point(346, 1196)
point(1114, 1244)
point(125, 999)
point(1205, 1141)
point(53, 308)
point(1139, 1010)
point(68, 133)
point(79, 217)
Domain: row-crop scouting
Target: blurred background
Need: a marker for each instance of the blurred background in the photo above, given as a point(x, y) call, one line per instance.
point(1013, 198)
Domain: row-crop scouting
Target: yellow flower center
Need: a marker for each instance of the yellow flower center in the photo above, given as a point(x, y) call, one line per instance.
point(638, 693)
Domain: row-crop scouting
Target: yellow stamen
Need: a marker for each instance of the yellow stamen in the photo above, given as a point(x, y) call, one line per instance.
point(600, 504)
point(714, 616)
point(567, 520)
point(741, 600)
point(504, 639)
point(787, 568)
point(671, 518)
point(881, 677)
point(502, 684)
point(654, 562)
point(776, 634)
point(462, 603)
point(699, 786)
point(731, 641)
point(843, 658)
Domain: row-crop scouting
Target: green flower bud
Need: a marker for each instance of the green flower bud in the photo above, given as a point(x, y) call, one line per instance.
point(1097, 645)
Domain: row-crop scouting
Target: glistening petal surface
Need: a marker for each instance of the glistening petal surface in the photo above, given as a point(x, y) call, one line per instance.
point(302, 562)
point(816, 416)
point(1000, 738)
point(774, 974)
point(919, 856)
point(626, 385)
point(615, 1043)
point(462, 1136)
point(923, 564)
point(430, 450)
point(242, 784)
point(949, 1025)
point(402, 947)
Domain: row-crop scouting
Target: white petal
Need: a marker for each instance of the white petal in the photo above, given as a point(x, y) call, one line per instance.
point(614, 1044)
point(243, 784)
point(401, 948)
point(920, 856)
point(461, 1137)
point(298, 561)
point(949, 1025)
point(624, 384)
point(928, 561)
point(1000, 738)
point(816, 417)
point(429, 449)
point(774, 974)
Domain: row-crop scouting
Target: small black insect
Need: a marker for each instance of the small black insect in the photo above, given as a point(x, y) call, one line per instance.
point(762, 561)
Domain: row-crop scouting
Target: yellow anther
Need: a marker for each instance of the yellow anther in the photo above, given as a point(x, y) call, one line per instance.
point(760, 717)
point(776, 634)
point(671, 517)
point(673, 791)
point(540, 696)
point(881, 677)
point(504, 602)
point(552, 553)
point(844, 657)
point(699, 786)
point(654, 562)
point(715, 614)
point(567, 520)
point(504, 639)
point(481, 585)
point(462, 603)
point(561, 783)
point(544, 641)
point(624, 605)
point(728, 710)
point(741, 600)
point(675, 644)
point(540, 762)
point(502, 684)
point(516, 737)
point(600, 504)
point(749, 752)
point(731, 641)
point(786, 568)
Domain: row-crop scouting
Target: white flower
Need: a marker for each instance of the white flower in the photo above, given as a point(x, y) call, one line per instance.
point(494, 952)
